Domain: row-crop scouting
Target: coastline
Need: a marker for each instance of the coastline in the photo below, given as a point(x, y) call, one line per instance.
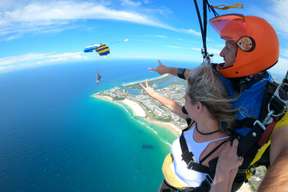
point(170, 126)
point(139, 112)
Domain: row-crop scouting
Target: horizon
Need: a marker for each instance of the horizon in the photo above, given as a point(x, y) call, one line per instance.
point(37, 33)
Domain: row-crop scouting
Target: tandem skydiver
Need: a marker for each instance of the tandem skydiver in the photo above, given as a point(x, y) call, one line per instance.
point(251, 48)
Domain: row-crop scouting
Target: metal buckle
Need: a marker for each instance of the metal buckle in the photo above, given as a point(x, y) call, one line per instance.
point(259, 123)
point(188, 165)
point(268, 119)
point(209, 179)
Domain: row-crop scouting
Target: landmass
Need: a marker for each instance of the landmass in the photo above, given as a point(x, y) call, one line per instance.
point(131, 97)
point(141, 105)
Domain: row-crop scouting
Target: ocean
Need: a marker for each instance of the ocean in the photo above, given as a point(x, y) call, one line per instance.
point(55, 137)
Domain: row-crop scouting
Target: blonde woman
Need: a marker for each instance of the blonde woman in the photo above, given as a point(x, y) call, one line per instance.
point(187, 167)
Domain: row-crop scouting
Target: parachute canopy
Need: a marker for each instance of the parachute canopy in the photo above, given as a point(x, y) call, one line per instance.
point(101, 49)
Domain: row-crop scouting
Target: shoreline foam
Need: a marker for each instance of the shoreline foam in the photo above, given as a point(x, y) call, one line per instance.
point(138, 111)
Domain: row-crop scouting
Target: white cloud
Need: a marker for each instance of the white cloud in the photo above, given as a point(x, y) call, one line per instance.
point(284, 53)
point(280, 15)
point(276, 14)
point(56, 15)
point(130, 3)
point(280, 68)
point(190, 31)
point(31, 60)
point(6, 4)
point(66, 11)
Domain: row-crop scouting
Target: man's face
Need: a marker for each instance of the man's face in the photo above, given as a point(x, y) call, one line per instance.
point(229, 53)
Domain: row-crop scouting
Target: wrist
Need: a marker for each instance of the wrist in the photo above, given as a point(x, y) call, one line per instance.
point(222, 170)
point(152, 93)
point(219, 177)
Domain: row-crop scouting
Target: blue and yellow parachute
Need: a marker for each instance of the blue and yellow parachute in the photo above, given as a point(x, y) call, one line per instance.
point(101, 49)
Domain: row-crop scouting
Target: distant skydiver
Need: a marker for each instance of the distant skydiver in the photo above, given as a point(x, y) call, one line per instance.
point(101, 49)
point(98, 78)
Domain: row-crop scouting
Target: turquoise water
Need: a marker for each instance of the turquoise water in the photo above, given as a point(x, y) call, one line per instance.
point(55, 137)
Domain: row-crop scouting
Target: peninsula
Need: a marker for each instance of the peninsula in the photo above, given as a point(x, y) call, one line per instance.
point(132, 97)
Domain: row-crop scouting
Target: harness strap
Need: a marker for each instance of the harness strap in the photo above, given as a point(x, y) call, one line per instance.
point(198, 167)
point(269, 91)
point(268, 131)
point(211, 152)
point(187, 156)
point(211, 8)
point(260, 153)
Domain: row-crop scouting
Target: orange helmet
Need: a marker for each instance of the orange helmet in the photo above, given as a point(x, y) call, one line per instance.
point(257, 42)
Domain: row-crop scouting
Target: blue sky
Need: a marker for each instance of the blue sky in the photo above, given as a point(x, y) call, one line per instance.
point(37, 32)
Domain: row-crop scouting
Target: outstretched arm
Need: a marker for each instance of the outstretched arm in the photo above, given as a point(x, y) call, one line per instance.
point(276, 178)
point(227, 167)
point(172, 105)
point(180, 72)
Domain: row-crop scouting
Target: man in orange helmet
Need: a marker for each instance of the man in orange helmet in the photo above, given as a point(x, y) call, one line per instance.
point(251, 47)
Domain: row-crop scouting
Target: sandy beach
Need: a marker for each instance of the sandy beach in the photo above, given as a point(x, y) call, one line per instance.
point(138, 111)
point(170, 126)
point(103, 97)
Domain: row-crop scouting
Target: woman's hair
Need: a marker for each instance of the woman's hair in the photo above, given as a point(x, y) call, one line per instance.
point(205, 86)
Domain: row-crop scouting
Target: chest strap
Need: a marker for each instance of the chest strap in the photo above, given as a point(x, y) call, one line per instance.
point(187, 156)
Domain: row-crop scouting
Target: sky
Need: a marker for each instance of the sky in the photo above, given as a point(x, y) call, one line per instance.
point(36, 32)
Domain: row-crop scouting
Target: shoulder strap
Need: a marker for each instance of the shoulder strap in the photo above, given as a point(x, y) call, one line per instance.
point(187, 156)
point(213, 151)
